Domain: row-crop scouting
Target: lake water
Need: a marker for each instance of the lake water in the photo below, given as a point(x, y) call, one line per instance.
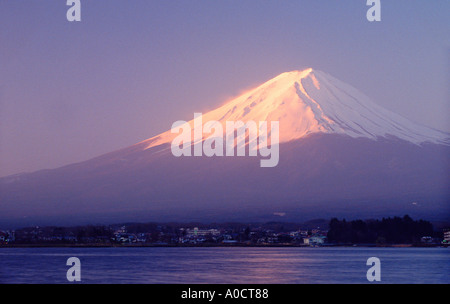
point(219, 265)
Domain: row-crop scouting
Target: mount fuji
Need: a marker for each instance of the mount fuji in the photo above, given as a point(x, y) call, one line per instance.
point(340, 154)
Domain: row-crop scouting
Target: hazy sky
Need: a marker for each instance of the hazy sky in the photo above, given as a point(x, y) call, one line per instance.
point(70, 91)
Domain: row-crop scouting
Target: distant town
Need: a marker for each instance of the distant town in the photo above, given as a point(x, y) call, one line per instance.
point(396, 231)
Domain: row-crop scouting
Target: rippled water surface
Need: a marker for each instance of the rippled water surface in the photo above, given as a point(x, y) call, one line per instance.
point(225, 265)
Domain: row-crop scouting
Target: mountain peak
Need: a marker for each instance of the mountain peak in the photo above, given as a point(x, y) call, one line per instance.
point(291, 76)
point(299, 73)
point(311, 101)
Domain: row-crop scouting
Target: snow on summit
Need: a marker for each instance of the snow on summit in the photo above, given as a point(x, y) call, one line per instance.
point(311, 101)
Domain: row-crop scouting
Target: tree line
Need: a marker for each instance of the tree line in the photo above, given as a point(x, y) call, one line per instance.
point(396, 230)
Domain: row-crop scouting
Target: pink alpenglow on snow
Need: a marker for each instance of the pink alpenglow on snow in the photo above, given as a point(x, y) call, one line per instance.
point(311, 101)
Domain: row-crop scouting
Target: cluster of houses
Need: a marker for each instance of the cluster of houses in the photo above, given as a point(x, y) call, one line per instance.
point(122, 236)
point(177, 236)
point(315, 237)
point(196, 236)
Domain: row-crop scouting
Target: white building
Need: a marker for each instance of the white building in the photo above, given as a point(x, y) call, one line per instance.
point(314, 240)
point(446, 236)
point(202, 232)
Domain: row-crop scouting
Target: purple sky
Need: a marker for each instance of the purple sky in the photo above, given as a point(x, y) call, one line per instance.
point(129, 69)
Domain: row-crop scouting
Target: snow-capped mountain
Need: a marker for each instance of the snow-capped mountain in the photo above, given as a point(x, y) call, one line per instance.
point(340, 154)
point(310, 101)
